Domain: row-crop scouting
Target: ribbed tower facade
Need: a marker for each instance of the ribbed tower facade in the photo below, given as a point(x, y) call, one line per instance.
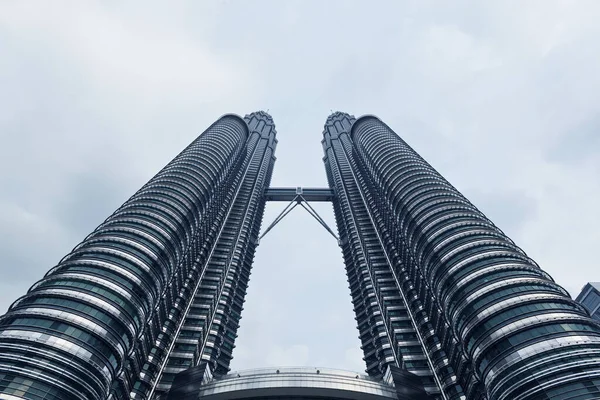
point(149, 304)
point(156, 288)
point(439, 290)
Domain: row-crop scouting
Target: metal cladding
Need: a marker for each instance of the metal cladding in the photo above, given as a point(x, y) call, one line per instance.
point(482, 319)
point(447, 306)
point(589, 298)
point(157, 287)
point(301, 383)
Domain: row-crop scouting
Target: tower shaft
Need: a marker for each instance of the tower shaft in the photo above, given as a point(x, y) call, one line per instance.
point(447, 306)
point(489, 322)
point(157, 287)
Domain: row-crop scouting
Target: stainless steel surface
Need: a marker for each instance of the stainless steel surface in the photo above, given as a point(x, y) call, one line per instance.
point(297, 381)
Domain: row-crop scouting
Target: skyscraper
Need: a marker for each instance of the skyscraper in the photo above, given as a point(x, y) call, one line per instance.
point(438, 289)
point(157, 287)
point(447, 306)
point(590, 299)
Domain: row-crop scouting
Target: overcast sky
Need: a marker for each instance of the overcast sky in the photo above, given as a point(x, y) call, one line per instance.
point(501, 97)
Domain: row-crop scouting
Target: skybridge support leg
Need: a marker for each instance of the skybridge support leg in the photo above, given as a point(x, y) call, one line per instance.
point(297, 198)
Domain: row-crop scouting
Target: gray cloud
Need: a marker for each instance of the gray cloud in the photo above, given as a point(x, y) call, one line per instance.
point(501, 97)
point(581, 144)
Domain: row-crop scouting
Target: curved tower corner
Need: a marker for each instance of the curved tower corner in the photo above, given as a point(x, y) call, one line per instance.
point(144, 294)
point(490, 323)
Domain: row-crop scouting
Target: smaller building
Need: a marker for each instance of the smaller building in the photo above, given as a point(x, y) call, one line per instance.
point(590, 299)
point(296, 383)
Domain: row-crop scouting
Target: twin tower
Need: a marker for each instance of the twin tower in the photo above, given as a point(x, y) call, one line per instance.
point(148, 305)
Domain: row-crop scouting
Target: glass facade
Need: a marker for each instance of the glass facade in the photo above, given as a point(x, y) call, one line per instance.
point(269, 382)
point(156, 288)
point(439, 290)
point(590, 299)
point(447, 306)
point(302, 383)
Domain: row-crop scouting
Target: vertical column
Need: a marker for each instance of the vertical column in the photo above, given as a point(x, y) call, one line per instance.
point(521, 333)
point(83, 331)
point(207, 320)
point(386, 326)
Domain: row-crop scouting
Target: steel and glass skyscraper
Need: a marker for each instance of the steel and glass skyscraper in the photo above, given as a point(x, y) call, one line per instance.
point(155, 288)
point(439, 290)
point(447, 306)
point(589, 298)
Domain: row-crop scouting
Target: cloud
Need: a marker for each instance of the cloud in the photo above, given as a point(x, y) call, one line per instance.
point(501, 97)
point(29, 245)
point(289, 356)
point(354, 359)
